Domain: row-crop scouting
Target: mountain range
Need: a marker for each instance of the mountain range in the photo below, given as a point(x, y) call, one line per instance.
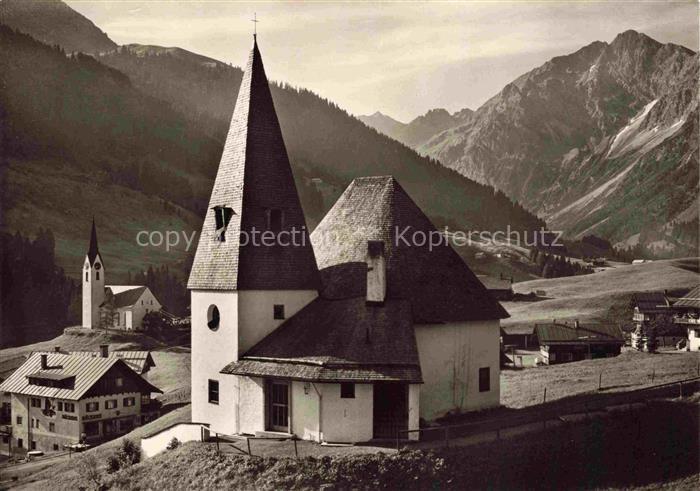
point(601, 141)
point(133, 135)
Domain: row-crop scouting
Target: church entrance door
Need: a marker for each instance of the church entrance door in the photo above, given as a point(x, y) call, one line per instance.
point(278, 405)
point(390, 409)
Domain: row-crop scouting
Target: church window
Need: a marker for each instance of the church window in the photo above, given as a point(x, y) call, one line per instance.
point(278, 311)
point(214, 391)
point(213, 317)
point(275, 219)
point(86, 275)
point(484, 379)
point(97, 275)
point(347, 390)
point(222, 215)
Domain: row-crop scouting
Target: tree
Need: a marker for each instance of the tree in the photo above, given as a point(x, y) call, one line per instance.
point(639, 342)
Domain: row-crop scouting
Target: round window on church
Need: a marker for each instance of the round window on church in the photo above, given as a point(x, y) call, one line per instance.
point(213, 317)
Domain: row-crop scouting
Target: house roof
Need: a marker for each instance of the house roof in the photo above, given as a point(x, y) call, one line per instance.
point(436, 281)
point(338, 339)
point(125, 296)
point(138, 361)
point(254, 178)
point(690, 300)
point(584, 334)
point(93, 250)
point(493, 283)
point(652, 302)
point(87, 371)
point(520, 329)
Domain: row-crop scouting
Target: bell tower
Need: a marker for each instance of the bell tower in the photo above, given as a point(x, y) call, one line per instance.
point(254, 266)
point(93, 280)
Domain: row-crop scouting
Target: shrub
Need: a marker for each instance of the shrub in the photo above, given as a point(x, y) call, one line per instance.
point(174, 443)
point(113, 463)
point(129, 453)
point(89, 470)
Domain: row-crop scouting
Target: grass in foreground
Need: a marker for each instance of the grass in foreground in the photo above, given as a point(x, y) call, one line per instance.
point(644, 448)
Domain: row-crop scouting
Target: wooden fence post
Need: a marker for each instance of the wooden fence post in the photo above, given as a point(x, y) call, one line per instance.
point(248, 442)
point(296, 451)
point(217, 442)
point(600, 381)
point(544, 399)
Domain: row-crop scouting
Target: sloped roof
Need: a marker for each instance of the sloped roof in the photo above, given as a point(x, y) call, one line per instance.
point(87, 371)
point(138, 361)
point(338, 339)
point(652, 302)
point(518, 329)
point(493, 283)
point(254, 177)
point(690, 300)
point(126, 297)
point(436, 281)
point(584, 334)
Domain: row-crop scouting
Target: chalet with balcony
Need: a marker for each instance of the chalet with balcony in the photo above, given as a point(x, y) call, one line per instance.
point(687, 313)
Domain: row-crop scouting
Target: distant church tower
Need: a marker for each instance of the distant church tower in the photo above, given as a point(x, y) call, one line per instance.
point(243, 291)
point(93, 283)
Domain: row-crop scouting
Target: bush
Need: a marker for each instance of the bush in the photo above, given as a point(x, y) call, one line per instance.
point(129, 453)
point(174, 443)
point(113, 463)
point(89, 470)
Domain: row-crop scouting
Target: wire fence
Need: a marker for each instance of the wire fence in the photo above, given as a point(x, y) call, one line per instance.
point(554, 411)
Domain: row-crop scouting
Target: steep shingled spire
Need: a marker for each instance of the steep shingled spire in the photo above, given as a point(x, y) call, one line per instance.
point(255, 187)
point(93, 250)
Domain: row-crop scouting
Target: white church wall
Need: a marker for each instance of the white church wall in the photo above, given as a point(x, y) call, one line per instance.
point(305, 410)
point(414, 410)
point(212, 351)
point(251, 408)
point(256, 312)
point(347, 420)
point(450, 357)
point(93, 280)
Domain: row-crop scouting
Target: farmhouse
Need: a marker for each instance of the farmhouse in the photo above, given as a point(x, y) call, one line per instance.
point(687, 314)
point(59, 399)
point(349, 334)
point(112, 306)
point(562, 343)
point(648, 307)
point(519, 336)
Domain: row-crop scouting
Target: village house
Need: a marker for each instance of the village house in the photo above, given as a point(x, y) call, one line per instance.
point(346, 335)
point(521, 336)
point(60, 399)
point(139, 361)
point(648, 306)
point(112, 306)
point(687, 314)
point(563, 343)
point(500, 287)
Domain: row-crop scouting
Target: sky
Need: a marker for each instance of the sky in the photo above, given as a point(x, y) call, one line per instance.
point(399, 58)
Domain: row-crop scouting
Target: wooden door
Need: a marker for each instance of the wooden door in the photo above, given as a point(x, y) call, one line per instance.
point(278, 406)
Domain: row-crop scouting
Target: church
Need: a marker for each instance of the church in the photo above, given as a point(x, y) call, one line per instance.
point(112, 306)
point(352, 333)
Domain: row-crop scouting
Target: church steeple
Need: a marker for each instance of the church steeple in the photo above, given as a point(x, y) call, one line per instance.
point(93, 250)
point(254, 193)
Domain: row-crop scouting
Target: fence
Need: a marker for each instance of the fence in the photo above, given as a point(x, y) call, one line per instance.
point(554, 411)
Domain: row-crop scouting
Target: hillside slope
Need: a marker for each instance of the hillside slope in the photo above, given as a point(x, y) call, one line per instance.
point(591, 297)
point(602, 141)
point(54, 22)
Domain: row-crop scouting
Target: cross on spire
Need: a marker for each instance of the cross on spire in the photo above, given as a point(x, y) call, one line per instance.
point(255, 21)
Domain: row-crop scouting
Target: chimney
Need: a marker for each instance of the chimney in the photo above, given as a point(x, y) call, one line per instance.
point(376, 272)
point(104, 350)
point(44, 362)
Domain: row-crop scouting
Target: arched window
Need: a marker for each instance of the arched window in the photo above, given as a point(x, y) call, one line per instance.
point(213, 317)
point(98, 274)
point(86, 276)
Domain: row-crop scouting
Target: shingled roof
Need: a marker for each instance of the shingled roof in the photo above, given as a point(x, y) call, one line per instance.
point(126, 297)
point(254, 178)
point(85, 370)
point(331, 340)
point(583, 334)
point(652, 302)
point(436, 281)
